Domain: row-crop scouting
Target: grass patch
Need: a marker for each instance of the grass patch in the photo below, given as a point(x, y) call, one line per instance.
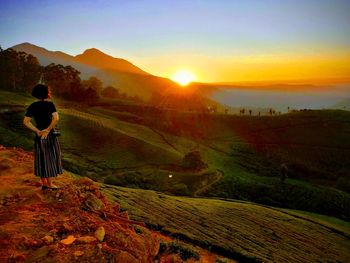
point(238, 230)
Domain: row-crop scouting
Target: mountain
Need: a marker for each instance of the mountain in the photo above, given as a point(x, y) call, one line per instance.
point(45, 56)
point(96, 58)
point(91, 58)
point(117, 72)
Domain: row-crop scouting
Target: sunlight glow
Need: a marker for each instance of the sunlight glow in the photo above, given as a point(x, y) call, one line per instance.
point(183, 77)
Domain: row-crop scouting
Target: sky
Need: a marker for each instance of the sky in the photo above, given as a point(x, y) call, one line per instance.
point(217, 40)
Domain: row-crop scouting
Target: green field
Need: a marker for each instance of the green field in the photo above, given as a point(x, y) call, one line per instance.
point(239, 230)
point(138, 146)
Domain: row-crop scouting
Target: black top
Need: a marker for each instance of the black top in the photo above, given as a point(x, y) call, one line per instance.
point(42, 113)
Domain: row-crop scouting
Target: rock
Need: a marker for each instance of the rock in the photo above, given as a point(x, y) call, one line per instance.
point(18, 258)
point(125, 257)
point(39, 254)
point(78, 253)
point(85, 181)
point(68, 241)
point(93, 187)
point(124, 214)
point(6, 163)
point(100, 233)
point(86, 239)
point(47, 239)
point(116, 208)
point(92, 203)
point(31, 243)
point(36, 183)
point(8, 197)
point(67, 227)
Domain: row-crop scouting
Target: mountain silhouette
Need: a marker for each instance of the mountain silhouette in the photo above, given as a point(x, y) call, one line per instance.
point(117, 72)
point(97, 58)
point(45, 56)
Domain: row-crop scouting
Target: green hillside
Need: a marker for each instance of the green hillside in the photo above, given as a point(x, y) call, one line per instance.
point(239, 230)
point(139, 146)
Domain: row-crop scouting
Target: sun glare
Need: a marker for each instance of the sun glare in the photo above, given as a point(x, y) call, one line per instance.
point(183, 77)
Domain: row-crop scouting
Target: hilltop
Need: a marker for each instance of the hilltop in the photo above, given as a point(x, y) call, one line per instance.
point(77, 222)
point(82, 221)
point(98, 59)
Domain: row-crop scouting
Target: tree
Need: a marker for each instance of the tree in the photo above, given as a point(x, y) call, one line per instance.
point(63, 80)
point(90, 95)
point(19, 71)
point(193, 161)
point(110, 92)
point(31, 72)
point(93, 83)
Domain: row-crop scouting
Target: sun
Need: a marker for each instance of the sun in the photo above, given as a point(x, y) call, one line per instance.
point(183, 77)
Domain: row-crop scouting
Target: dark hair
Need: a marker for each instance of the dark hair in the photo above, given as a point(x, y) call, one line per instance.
point(41, 92)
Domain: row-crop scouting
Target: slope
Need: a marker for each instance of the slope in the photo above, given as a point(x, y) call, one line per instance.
point(244, 231)
point(75, 223)
point(138, 146)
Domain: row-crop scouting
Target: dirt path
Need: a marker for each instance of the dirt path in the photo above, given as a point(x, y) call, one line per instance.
point(218, 176)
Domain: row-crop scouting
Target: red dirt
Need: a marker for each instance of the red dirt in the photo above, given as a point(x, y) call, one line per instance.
point(36, 225)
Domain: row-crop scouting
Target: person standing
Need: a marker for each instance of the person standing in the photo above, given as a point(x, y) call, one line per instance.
point(47, 152)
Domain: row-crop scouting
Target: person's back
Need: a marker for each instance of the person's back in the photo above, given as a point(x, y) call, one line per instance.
point(41, 111)
point(47, 152)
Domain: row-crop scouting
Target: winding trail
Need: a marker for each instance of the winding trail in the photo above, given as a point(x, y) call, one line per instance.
point(218, 176)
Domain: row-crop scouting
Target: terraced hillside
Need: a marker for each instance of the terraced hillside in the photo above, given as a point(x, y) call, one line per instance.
point(243, 231)
point(139, 146)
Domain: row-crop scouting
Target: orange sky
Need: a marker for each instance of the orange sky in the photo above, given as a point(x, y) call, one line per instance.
point(269, 67)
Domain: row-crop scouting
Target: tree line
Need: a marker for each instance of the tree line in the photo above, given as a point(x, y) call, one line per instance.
point(20, 71)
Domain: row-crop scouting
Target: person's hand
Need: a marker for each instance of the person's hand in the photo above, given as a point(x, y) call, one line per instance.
point(39, 133)
point(44, 133)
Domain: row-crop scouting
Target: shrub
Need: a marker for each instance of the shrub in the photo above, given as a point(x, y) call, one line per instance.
point(193, 161)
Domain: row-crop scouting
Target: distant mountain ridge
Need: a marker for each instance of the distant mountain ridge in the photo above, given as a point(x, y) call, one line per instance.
point(118, 72)
point(44, 56)
point(90, 57)
point(97, 58)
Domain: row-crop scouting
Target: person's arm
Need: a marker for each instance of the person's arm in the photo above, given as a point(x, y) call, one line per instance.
point(27, 122)
point(52, 125)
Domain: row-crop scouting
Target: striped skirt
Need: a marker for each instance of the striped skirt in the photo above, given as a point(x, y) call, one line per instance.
point(47, 157)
